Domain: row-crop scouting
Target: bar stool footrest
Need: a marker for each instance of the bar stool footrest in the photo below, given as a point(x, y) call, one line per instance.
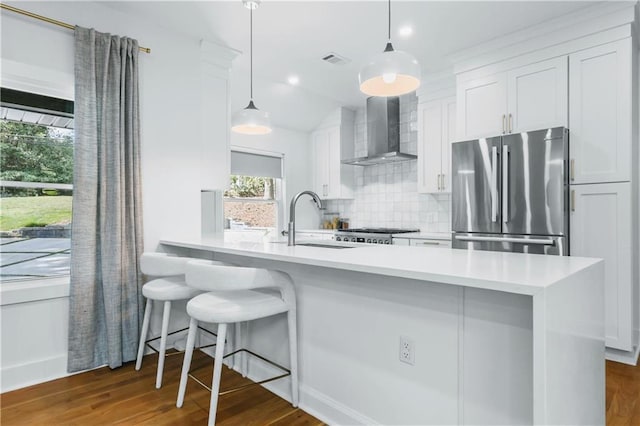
point(148, 342)
point(236, 389)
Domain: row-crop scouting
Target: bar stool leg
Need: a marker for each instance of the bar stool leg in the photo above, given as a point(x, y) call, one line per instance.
point(234, 341)
point(143, 334)
point(244, 326)
point(186, 363)
point(217, 373)
point(163, 342)
point(293, 355)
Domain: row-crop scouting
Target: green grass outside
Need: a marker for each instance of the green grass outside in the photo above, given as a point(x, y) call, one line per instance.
point(18, 212)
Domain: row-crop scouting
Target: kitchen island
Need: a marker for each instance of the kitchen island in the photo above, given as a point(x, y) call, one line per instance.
point(496, 338)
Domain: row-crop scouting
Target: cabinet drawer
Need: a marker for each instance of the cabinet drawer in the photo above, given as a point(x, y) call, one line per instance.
point(430, 243)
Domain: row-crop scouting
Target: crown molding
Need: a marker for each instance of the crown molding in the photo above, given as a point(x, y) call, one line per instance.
point(217, 54)
point(590, 20)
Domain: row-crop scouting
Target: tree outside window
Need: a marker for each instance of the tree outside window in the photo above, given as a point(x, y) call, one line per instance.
point(251, 202)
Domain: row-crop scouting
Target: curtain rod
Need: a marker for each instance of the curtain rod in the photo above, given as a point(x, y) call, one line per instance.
point(51, 21)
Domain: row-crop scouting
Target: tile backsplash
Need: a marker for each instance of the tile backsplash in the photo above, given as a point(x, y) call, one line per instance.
point(386, 195)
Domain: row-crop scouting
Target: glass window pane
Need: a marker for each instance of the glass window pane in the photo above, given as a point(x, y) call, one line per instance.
point(36, 169)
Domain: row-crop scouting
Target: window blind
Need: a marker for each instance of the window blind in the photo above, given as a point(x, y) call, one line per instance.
point(249, 164)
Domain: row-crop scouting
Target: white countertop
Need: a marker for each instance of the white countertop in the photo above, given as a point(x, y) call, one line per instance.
point(510, 272)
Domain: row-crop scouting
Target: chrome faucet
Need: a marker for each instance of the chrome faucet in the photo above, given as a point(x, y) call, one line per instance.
point(292, 214)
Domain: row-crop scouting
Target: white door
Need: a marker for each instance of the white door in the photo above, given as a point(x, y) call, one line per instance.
point(600, 110)
point(334, 165)
point(448, 137)
point(601, 227)
point(538, 96)
point(429, 146)
point(482, 106)
point(321, 163)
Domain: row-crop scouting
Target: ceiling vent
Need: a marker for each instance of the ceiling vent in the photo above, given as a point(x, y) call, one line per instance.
point(335, 59)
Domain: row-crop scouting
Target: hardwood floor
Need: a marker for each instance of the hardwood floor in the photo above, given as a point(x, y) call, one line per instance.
point(128, 397)
point(623, 394)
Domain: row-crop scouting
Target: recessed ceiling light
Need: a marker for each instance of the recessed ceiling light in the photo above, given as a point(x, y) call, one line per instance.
point(293, 80)
point(405, 31)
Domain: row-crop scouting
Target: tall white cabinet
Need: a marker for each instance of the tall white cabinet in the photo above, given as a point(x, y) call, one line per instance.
point(436, 132)
point(332, 142)
point(602, 152)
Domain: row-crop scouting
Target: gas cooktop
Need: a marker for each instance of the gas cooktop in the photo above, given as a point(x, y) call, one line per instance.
point(369, 235)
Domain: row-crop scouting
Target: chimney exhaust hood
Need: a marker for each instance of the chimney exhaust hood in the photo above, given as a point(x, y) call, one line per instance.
point(383, 133)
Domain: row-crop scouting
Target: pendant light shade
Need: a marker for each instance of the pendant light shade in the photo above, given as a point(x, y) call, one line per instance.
point(250, 120)
point(391, 73)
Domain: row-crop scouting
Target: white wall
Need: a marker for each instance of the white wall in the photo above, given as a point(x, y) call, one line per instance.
point(297, 168)
point(183, 130)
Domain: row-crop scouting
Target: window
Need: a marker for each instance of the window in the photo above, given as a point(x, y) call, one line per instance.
point(254, 198)
point(36, 171)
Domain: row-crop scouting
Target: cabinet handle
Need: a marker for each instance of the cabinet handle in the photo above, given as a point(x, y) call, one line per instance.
point(444, 187)
point(324, 189)
point(429, 243)
point(510, 123)
point(572, 170)
point(573, 200)
point(504, 125)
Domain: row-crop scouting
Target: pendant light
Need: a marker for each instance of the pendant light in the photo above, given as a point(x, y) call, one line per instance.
point(391, 73)
point(251, 121)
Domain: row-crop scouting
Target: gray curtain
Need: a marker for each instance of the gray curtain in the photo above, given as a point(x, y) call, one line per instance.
point(106, 232)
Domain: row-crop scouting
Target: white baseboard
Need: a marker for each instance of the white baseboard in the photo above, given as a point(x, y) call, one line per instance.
point(625, 357)
point(32, 373)
point(319, 405)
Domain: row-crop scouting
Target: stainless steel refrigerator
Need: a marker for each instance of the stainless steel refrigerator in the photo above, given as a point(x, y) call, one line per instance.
point(511, 193)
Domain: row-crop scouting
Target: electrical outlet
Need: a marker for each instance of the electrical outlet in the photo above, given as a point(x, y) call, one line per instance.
point(407, 351)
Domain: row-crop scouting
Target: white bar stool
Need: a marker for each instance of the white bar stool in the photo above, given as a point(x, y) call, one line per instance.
point(231, 299)
point(170, 287)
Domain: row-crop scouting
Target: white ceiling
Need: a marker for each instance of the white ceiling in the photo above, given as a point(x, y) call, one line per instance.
point(291, 37)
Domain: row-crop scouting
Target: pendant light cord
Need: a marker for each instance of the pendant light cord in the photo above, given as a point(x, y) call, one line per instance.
point(251, 51)
point(389, 9)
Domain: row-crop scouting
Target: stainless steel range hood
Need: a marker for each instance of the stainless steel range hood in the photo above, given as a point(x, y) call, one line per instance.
point(383, 133)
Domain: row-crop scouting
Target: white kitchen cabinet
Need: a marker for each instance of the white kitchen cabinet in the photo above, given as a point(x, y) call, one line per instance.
point(331, 144)
point(537, 96)
point(311, 235)
point(482, 105)
point(320, 148)
point(600, 113)
point(527, 98)
point(601, 227)
point(436, 132)
point(420, 242)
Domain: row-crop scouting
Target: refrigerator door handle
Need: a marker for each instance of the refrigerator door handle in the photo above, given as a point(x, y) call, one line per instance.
point(494, 184)
point(537, 241)
point(505, 183)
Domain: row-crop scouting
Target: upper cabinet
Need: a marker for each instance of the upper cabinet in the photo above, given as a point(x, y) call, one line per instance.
point(482, 105)
point(436, 132)
point(527, 98)
point(600, 114)
point(537, 96)
point(332, 142)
